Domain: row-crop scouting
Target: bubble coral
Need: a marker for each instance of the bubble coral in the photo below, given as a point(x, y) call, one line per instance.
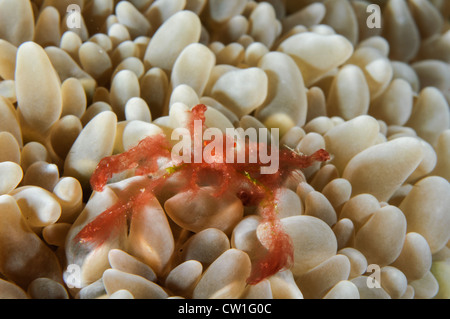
point(368, 81)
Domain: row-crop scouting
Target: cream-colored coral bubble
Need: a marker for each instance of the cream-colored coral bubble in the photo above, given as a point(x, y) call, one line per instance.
point(150, 238)
point(344, 230)
point(177, 32)
point(242, 90)
point(376, 67)
point(55, 234)
point(381, 238)
point(183, 278)
point(317, 205)
point(220, 11)
point(138, 286)
point(366, 289)
point(71, 42)
point(427, 17)
point(395, 105)
point(308, 16)
point(125, 50)
point(314, 242)
point(93, 110)
point(433, 73)
point(45, 288)
point(92, 263)
point(10, 148)
point(342, 102)
point(441, 271)
point(225, 277)
point(135, 131)
point(442, 150)
point(38, 94)
point(426, 212)
point(415, 258)
point(440, 44)
point(286, 93)
point(193, 67)
point(320, 124)
point(132, 19)
point(223, 215)
point(314, 284)
point(95, 61)
point(16, 21)
point(7, 59)
point(430, 115)
point(82, 158)
point(154, 90)
point(10, 290)
point(388, 164)
point(42, 174)
point(393, 281)
point(341, 17)
point(264, 27)
point(39, 206)
point(9, 121)
point(73, 98)
point(261, 290)
point(8, 90)
point(11, 175)
point(310, 143)
point(131, 63)
point(185, 94)
point(20, 246)
point(426, 287)
point(63, 135)
point(120, 260)
point(118, 33)
point(400, 30)
point(358, 262)
point(102, 40)
point(45, 33)
point(283, 286)
point(160, 11)
point(343, 290)
point(316, 103)
point(233, 29)
point(121, 294)
point(310, 52)
point(338, 192)
point(124, 86)
point(254, 52)
point(205, 246)
point(244, 236)
point(137, 109)
point(66, 67)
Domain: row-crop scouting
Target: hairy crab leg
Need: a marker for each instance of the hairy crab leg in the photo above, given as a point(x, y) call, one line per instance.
point(111, 220)
point(141, 157)
point(280, 253)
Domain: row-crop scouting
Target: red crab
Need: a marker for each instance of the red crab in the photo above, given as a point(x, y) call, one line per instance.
point(152, 157)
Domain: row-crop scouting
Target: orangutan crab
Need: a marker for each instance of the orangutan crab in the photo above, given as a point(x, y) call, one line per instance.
point(152, 157)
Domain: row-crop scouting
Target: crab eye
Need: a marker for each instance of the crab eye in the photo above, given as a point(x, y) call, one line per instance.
point(244, 196)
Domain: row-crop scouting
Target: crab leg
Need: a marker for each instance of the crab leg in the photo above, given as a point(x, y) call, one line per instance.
point(143, 157)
